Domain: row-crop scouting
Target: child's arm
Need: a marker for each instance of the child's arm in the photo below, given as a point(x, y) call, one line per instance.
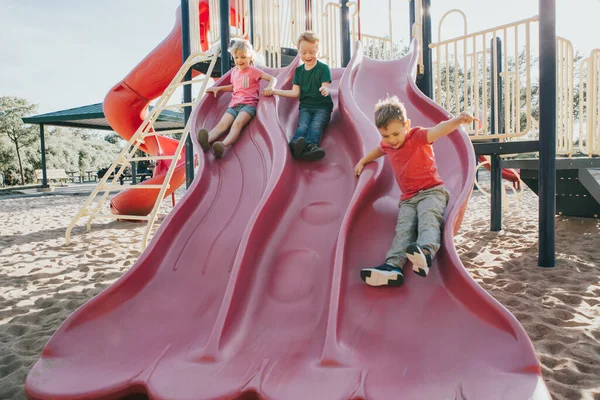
point(293, 93)
point(268, 91)
point(444, 128)
point(372, 156)
point(324, 89)
point(217, 89)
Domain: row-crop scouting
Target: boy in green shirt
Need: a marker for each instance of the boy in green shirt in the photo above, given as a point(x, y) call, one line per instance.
point(311, 84)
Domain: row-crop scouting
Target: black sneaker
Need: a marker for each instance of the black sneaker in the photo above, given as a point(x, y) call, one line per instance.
point(312, 152)
point(203, 139)
point(420, 258)
point(218, 149)
point(383, 275)
point(297, 147)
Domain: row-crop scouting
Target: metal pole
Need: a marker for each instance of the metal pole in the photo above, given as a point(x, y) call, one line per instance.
point(495, 170)
point(224, 18)
point(345, 33)
point(43, 146)
point(413, 17)
point(547, 172)
point(307, 6)
point(251, 10)
point(187, 91)
point(426, 82)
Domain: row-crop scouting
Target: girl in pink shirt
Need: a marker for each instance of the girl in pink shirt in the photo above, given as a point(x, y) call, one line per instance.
point(245, 79)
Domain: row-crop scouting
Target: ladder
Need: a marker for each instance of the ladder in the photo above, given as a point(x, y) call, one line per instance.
point(93, 209)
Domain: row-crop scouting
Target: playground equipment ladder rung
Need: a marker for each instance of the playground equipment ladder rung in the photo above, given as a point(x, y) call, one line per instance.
point(165, 132)
point(150, 158)
point(121, 187)
point(132, 217)
point(193, 81)
point(170, 106)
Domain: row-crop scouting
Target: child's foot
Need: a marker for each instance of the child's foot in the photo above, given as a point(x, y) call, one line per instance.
point(312, 152)
point(203, 139)
point(297, 147)
point(218, 149)
point(383, 275)
point(420, 258)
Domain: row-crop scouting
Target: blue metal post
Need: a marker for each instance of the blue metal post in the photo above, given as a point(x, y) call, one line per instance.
point(224, 19)
point(412, 16)
point(425, 83)
point(251, 10)
point(43, 145)
point(495, 170)
point(187, 91)
point(345, 33)
point(547, 172)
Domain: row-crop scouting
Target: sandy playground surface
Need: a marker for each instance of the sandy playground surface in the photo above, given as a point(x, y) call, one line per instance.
point(42, 282)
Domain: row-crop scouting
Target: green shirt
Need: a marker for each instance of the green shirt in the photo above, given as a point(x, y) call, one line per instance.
point(310, 81)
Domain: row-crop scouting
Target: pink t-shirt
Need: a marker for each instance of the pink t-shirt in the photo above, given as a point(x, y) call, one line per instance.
point(413, 163)
point(246, 84)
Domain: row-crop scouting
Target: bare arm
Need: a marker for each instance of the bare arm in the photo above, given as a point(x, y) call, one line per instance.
point(293, 93)
point(217, 89)
point(268, 91)
point(444, 128)
point(372, 156)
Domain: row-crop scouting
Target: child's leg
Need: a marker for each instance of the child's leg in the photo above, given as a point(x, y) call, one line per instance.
point(304, 119)
point(390, 273)
point(318, 124)
point(236, 128)
point(406, 232)
point(225, 123)
point(430, 210)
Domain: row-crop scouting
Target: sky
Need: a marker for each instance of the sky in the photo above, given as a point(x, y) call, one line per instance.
point(68, 53)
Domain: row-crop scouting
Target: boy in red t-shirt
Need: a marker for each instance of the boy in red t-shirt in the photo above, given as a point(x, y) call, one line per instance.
point(424, 198)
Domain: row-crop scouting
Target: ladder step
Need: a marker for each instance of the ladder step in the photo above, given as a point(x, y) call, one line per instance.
point(165, 132)
point(151, 158)
point(140, 186)
point(171, 106)
point(193, 81)
point(132, 217)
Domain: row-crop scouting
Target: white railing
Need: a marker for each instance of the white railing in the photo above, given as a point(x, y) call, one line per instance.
point(564, 96)
point(267, 31)
point(589, 116)
point(463, 77)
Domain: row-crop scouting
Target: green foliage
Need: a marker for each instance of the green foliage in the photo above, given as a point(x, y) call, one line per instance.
point(66, 148)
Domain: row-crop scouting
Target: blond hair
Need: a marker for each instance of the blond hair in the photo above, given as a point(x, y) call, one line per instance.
point(309, 37)
point(241, 45)
point(388, 110)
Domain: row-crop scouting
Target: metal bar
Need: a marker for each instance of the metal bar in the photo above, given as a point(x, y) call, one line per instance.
point(426, 82)
point(413, 16)
point(345, 33)
point(43, 149)
point(529, 146)
point(547, 173)
point(495, 170)
point(224, 22)
point(133, 217)
point(251, 10)
point(187, 90)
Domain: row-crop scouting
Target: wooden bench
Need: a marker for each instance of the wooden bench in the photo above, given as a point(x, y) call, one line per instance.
point(52, 175)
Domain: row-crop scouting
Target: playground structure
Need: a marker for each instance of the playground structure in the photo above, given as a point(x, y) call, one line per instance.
point(257, 304)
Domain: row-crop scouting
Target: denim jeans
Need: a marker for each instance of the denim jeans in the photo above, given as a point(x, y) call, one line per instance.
point(311, 124)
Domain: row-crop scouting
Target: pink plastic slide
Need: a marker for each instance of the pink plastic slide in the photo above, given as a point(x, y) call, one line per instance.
point(251, 287)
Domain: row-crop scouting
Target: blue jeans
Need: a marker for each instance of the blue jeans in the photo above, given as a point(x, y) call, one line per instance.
point(311, 124)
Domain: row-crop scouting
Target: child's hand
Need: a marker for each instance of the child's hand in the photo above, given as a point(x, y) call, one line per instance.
point(466, 118)
point(268, 91)
point(214, 90)
point(358, 168)
point(324, 91)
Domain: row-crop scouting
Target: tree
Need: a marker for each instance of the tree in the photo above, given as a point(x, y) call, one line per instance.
point(12, 109)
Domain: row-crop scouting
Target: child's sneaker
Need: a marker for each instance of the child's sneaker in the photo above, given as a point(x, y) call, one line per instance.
point(383, 275)
point(218, 149)
point(312, 152)
point(297, 147)
point(420, 258)
point(203, 139)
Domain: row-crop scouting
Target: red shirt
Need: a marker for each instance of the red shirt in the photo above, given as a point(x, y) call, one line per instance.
point(413, 163)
